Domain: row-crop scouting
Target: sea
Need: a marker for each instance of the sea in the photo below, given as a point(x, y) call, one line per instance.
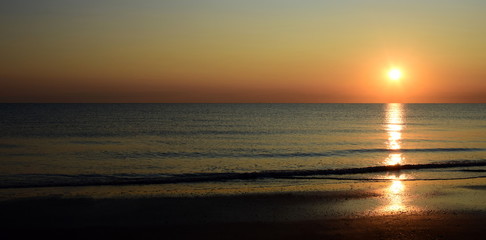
point(79, 145)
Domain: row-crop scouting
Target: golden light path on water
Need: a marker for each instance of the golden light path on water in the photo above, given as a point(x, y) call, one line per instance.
point(394, 123)
point(394, 126)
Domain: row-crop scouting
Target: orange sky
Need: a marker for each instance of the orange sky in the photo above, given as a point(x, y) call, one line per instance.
point(242, 51)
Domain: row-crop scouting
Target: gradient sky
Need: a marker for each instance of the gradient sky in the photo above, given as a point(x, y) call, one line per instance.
point(242, 51)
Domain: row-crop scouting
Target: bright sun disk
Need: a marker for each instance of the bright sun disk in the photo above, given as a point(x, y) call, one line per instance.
point(395, 74)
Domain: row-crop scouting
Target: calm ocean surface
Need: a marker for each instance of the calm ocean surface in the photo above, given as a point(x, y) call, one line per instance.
point(118, 144)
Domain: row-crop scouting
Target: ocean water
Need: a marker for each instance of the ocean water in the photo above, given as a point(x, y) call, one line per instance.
point(50, 145)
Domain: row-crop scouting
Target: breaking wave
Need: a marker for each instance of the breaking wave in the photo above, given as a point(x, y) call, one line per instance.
point(62, 180)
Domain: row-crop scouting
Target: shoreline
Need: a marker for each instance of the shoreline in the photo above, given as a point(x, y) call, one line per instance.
point(371, 210)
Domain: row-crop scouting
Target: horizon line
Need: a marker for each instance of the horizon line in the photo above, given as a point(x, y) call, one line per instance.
point(241, 102)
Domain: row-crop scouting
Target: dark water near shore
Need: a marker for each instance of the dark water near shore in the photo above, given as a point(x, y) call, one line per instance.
point(117, 144)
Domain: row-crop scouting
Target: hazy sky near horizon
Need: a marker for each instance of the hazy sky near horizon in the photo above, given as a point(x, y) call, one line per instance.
point(242, 51)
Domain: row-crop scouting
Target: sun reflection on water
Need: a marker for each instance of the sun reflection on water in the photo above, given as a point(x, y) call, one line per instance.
point(394, 159)
point(394, 127)
point(395, 192)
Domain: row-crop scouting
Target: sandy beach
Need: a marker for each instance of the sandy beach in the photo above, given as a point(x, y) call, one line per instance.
point(376, 210)
point(421, 226)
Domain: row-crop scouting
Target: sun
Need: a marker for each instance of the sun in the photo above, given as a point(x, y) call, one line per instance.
point(395, 74)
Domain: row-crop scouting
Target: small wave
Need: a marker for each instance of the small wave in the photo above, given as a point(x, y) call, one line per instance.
point(246, 154)
point(60, 180)
point(95, 142)
point(387, 179)
point(5, 145)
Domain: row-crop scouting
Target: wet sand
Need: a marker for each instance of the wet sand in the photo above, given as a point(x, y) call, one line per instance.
point(382, 210)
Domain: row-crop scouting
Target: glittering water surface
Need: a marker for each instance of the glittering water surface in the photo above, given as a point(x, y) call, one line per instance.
point(98, 144)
